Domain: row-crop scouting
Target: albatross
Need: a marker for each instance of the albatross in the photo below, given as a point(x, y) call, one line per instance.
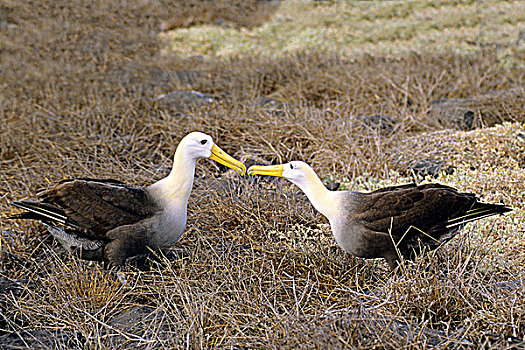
point(392, 222)
point(110, 221)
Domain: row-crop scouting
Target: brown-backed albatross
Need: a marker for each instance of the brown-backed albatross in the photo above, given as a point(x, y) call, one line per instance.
point(391, 222)
point(108, 220)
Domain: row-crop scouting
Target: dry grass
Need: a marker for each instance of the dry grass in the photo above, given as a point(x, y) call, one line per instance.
point(354, 28)
point(257, 267)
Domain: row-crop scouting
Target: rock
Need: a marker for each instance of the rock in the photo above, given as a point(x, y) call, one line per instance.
point(4, 24)
point(10, 291)
point(186, 77)
point(134, 318)
point(180, 98)
point(135, 75)
point(521, 37)
point(382, 123)
point(8, 288)
point(333, 186)
point(136, 324)
point(218, 22)
point(427, 167)
point(43, 339)
point(270, 105)
point(500, 341)
point(485, 109)
point(453, 113)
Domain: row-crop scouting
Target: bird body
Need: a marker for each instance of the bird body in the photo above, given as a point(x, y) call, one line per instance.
point(111, 221)
point(391, 222)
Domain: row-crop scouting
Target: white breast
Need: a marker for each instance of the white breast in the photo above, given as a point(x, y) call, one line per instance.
point(170, 226)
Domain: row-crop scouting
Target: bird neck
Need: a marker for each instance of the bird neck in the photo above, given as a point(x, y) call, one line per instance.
point(323, 200)
point(180, 179)
point(175, 189)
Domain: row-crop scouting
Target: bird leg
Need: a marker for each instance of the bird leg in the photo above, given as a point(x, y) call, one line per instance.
point(126, 241)
point(393, 261)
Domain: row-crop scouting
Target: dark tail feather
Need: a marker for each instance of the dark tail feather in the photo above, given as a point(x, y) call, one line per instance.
point(479, 211)
point(27, 215)
point(44, 212)
point(76, 243)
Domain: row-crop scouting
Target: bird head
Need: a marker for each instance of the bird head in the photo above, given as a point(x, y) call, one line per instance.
point(199, 145)
point(297, 172)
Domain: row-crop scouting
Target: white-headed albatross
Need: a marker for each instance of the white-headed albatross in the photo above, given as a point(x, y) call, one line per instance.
point(390, 222)
point(109, 221)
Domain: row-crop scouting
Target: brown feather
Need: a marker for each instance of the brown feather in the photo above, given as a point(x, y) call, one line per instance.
point(390, 222)
point(425, 207)
point(101, 219)
point(412, 216)
point(109, 220)
point(99, 206)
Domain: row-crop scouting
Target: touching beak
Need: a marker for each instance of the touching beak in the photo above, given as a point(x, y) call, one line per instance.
point(224, 158)
point(271, 170)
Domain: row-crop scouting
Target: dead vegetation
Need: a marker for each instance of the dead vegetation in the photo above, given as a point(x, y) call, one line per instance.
point(248, 14)
point(256, 268)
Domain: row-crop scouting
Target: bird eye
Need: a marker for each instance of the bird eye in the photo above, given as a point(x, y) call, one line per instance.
point(291, 166)
point(203, 142)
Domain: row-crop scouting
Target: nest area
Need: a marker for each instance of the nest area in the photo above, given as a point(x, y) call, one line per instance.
point(80, 89)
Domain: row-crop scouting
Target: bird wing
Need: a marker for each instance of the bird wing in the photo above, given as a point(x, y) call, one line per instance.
point(427, 207)
point(99, 205)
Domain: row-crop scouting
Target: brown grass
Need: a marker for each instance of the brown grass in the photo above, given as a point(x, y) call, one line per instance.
point(257, 267)
point(238, 13)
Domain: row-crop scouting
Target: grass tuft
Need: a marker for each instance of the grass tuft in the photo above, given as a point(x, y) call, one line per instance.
point(360, 90)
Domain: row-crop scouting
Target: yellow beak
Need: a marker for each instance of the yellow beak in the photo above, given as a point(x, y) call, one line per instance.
point(224, 158)
point(271, 170)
